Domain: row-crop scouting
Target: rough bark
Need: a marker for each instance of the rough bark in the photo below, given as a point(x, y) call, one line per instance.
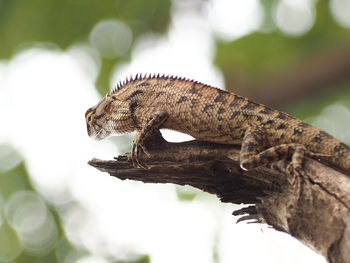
point(313, 208)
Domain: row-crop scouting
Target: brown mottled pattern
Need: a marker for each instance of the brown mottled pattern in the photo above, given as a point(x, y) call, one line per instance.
point(209, 114)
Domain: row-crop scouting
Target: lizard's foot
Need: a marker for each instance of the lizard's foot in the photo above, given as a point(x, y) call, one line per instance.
point(137, 150)
point(296, 165)
point(297, 173)
point(295, 169)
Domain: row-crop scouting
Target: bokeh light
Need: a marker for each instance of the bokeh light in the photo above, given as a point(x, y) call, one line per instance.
point(9, 157)
point(91, 259)
point(64, 253)
point(112, 38)
point(335, 119)
point(341, 11)
point(88, 59)
point(11, 245)
point(233, 19)
point(27, 213)
point(295, 17)
point(185, 51)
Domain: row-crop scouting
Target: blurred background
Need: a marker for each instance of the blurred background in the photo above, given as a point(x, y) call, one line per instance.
point(57, 58)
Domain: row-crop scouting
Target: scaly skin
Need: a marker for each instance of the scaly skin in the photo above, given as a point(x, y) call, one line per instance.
point(146, 104)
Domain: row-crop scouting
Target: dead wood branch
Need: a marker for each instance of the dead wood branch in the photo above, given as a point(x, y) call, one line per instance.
point(314, 208)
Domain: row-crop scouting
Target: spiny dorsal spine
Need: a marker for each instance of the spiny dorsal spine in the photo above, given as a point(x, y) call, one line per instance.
point(149, 76)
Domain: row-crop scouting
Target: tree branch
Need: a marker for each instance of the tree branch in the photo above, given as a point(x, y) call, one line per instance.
point(313, 208)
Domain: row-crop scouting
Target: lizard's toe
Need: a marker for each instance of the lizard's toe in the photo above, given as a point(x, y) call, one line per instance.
point(295, 169)
point(136, 157)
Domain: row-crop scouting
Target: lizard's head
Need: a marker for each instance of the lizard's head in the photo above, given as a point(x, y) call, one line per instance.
point(110, 116)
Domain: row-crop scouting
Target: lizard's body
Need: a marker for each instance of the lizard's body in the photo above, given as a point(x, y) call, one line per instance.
point(146, 104)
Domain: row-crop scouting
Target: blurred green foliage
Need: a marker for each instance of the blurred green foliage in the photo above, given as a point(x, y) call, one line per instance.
point(187, 193)
point(13, 181)
point(12, 248)
point(312, 107)
point(143, 259)
point(66, 22)
point(259, 53)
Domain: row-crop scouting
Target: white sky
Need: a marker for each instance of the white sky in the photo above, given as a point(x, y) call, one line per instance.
point(43, 97)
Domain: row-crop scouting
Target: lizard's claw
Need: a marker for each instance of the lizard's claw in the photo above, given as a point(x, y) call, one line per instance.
point(137, 149)
point(295, 169)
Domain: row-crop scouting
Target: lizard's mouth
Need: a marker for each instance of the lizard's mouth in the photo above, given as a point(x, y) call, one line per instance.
point(96, 132)
point(99, 135)
point(89, 130)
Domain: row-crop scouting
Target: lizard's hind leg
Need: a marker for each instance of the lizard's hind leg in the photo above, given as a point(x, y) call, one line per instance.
point(256, 152)
point(253, 143)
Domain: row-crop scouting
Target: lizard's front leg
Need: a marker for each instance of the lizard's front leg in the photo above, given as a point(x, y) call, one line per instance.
point(255, 152)
point(138, 146)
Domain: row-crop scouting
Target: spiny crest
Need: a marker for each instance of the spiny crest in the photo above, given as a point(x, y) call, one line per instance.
point(148, 76)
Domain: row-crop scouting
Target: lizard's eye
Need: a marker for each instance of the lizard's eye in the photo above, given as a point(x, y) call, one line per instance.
point(88, 111)
point(89, 118)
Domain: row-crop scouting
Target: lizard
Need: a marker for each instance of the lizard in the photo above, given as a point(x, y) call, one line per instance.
point(147, 103)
